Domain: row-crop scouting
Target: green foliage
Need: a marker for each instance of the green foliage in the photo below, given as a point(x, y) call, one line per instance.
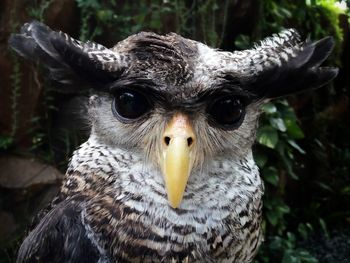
point(88, 9)
point(38, 9)
point(314, 18)
point(124, 19)
point(274, 154)
point(284, 249)
point(16, 88)
point(8, 140)
point(280, 132)
point(5, 142)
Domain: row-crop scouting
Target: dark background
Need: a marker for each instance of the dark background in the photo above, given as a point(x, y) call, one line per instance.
point(302, 148)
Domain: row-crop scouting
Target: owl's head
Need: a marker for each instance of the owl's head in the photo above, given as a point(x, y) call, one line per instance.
point(174, 101)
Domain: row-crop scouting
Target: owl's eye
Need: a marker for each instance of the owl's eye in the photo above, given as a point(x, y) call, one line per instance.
point(227, 112)
point(129, 104)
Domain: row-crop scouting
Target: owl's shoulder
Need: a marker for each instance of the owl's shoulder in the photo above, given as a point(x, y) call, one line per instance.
point(60, 236)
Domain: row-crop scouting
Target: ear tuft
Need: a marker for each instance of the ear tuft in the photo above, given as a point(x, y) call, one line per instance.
point(70, 62)
point(322, 50)
point(288, 66)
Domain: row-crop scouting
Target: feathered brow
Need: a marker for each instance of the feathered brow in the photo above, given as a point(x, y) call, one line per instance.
point(226, 86)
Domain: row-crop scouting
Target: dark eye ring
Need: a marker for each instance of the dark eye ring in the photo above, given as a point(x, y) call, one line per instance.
point(227, 112)
point(129, 105)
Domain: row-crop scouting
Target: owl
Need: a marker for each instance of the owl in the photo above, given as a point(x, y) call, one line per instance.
point(167, 174)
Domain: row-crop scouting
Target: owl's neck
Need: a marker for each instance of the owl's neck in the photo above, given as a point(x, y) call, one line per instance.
point(117, 183)
point(98, 167)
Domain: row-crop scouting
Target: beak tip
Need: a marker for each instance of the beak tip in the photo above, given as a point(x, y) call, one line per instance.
point(174, 203)
point(174, 206)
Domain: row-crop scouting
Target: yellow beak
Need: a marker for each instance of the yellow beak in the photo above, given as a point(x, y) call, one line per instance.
point(177, 157)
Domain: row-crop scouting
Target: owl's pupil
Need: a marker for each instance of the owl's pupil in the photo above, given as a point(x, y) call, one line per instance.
point(227, 112)
point(130, 104)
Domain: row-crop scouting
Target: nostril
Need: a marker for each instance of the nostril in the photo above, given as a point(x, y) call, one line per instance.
point(189, 141)
point(167, 140)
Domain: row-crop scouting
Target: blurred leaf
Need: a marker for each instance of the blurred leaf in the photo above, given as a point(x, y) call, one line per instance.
point(93, 4)
point(283, 208)
point(295, 146)
point(306, 257)
point(260, 159)
point(290, 154)
point(324, 227)
point(303, 231)
point(272, 217)
point(324, 186)
point(267, 136)
point(278, 124)
point(281, 148)
point(285, 13)
point(345, 190)
point(5, 142)
point(289, 258)
point(293, 129)
point(105, 15)
point(276, 243)
point(271, 175)
point(269, 108)
point(35, 119)
point(242, 42)
point(156, 22)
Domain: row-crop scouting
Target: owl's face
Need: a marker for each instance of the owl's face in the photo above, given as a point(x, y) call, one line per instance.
point(180, 104)
point(176, 102)
point(178, 127)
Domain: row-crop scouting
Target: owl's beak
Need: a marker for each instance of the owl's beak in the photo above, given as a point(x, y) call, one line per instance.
point(178, 141)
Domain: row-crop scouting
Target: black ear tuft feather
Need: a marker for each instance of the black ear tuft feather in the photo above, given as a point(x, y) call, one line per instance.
point(69, 61)
point(28, 45)
point(77, 58)
point(300, 71)
point(322, 50)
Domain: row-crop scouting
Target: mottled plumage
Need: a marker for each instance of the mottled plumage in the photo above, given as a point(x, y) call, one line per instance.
point(149, 90)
